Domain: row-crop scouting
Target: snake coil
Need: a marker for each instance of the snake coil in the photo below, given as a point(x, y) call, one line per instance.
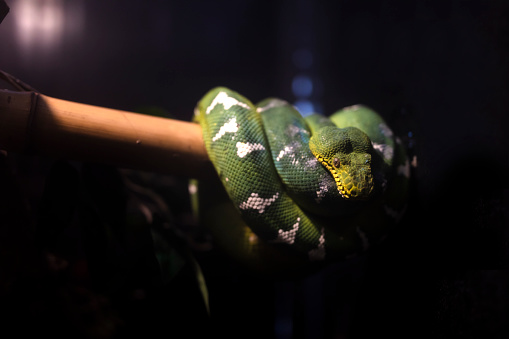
point(297, 190)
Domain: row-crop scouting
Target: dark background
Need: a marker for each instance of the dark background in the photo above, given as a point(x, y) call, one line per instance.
point(438, 71)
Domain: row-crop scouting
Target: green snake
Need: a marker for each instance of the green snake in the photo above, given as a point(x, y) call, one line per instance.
point(297, 190)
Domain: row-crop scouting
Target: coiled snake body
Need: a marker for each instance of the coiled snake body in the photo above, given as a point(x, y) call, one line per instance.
point(298, 190)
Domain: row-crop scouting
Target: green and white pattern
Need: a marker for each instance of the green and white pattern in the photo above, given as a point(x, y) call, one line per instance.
point(310, 189)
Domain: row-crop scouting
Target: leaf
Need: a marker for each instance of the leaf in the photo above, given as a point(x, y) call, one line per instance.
point(170, 261)
point(4, 9)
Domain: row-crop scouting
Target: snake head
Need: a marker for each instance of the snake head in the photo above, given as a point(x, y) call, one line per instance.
point(346, 153)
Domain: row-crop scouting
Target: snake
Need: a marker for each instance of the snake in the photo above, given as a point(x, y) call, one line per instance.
point(294, 191)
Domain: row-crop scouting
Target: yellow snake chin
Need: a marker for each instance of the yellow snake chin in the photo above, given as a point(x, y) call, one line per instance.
point(342, 189)
point(348, 187)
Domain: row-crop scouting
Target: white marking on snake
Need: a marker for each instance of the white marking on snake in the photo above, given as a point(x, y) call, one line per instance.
point(245, 148)
point(386, 150)
point(257, 203)
point(288, 237)
point(385, 130)
point(319, 252)
point(293, 130)
point(192, 188)
point(226, 101)
point(353, 107)
point(312, 163)
point(284, 152)
point(364, 238)
point(414, 161)
point(324, 188)
point(253, 238)
point(272, 104)
point(404, 169)
point(229, 127)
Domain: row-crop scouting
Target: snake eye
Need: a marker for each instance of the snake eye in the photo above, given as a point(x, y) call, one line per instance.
point(335, 162)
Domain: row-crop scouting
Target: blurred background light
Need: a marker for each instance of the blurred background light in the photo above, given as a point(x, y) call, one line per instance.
point(305, 107)
point(302, 86)
point(41, 26)
point(39, 23)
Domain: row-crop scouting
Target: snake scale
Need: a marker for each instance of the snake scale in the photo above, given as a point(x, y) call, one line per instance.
point(294, 190)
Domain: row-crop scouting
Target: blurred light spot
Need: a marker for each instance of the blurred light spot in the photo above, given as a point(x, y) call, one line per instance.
point(302, 86)
point(305, 107)
point(41, 25)
point(302, 59)
point(39, 22)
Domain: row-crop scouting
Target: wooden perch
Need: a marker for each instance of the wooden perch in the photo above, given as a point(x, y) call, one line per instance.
point(38, 124)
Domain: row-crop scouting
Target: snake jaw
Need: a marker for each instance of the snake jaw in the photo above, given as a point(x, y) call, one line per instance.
point(353, 182)
point(337, 179)
point(336, 176)
point(358, 182)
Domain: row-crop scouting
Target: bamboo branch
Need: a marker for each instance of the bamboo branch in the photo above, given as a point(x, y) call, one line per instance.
point(37, 124)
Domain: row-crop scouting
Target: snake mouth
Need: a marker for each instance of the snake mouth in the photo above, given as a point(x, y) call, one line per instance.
point(353, 182)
